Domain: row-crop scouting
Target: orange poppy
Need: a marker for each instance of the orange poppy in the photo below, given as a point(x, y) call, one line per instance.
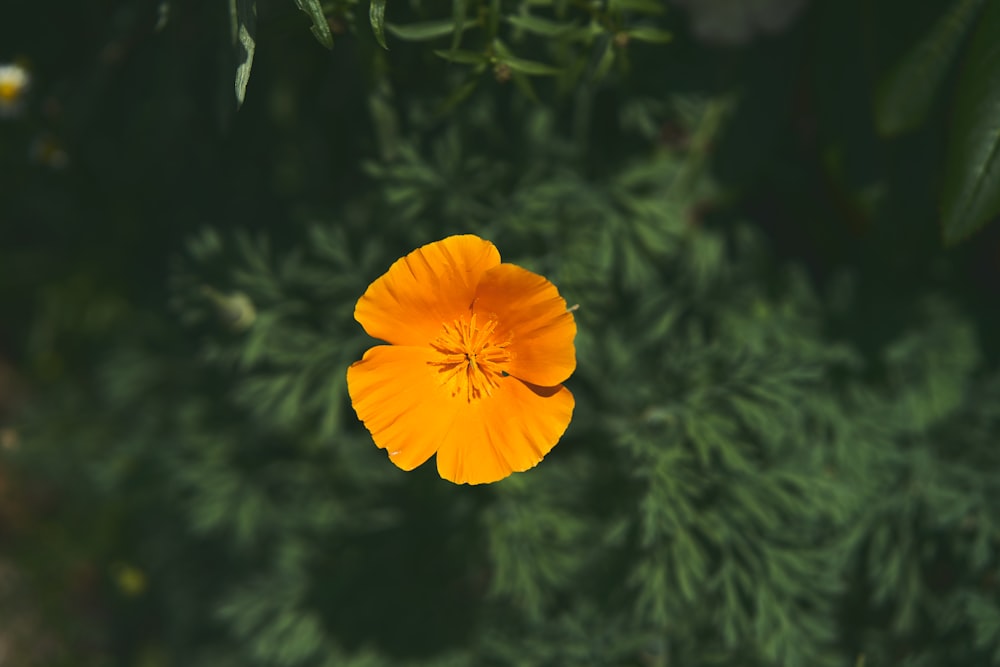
point(473, 370)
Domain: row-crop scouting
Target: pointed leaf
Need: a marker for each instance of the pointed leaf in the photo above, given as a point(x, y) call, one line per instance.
point(648, 34)
point(606, 61)
point(426, 30)
point(905, 95)
point(539, 26)
point(530, 67)
point(458, 11)
point(320, 28)
point(971, 193)
point(376, 16)
point(462, 57)
point(243, 18)
point(520, 65)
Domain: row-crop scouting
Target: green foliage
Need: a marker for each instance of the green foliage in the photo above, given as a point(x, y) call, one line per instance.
point(787, 397)
point(712, 513)
point(907, 93)
point(493, 33)
point(971, 192)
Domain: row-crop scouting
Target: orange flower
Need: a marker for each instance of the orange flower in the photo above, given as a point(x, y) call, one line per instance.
point(477, 352)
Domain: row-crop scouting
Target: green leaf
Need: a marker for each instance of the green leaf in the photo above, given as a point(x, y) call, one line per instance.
point(530, 67)
point(462, 57)
point(520, 65)
point(458, 11)
point(906, 94)
point(606, 61)
point(243, 20)
point(426, 30)
point(376, 16)
point(320, 28)
point(971, 193)
point(646, 34)
point(539, 26)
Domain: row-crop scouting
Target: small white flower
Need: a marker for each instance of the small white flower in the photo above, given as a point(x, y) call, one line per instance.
point(14, 82)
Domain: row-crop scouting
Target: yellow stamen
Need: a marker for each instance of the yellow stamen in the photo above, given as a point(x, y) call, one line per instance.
point(472, 361)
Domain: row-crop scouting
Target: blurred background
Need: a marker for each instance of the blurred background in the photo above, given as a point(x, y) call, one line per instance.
point(778, 218)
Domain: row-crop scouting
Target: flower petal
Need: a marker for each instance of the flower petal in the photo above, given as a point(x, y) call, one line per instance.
point(431, 286)
point(528, 308)
point(400, 398)
point(509, 431)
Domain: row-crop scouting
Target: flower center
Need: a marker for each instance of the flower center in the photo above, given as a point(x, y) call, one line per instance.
point(472, 360)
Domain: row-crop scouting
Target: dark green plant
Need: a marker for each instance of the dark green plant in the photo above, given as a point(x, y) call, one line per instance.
point(783, 450)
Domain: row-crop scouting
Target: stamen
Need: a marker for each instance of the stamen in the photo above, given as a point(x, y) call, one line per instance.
point(473, 362)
